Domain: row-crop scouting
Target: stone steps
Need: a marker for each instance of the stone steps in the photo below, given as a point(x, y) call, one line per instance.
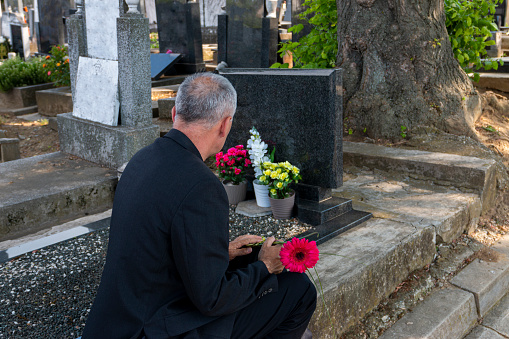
point(49, 189)
point(498, 81)
point(411, 213)
point(479, 292)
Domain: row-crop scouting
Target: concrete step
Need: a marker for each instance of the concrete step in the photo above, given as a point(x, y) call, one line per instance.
point(448, 313)
point(49, 189)
point(498, 81)
point(443, 169)
point(498, 318)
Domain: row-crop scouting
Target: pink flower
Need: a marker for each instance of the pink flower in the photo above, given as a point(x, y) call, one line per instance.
point(230, 163)
point(223, 171)
point(226, 158)
point(169, 51)
point(219, 155)
point(239, 146)
point(248, 162)
point(237, 171)
point(49, 72)
point(298, 255)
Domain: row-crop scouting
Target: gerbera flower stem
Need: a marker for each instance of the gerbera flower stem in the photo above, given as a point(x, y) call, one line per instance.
point(321, 293)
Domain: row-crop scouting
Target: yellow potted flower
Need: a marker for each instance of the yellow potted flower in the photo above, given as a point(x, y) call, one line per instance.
point(278, 177)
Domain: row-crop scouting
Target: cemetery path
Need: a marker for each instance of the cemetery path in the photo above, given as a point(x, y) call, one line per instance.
point(36, 137)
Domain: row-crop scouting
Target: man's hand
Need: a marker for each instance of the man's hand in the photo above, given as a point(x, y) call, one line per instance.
point(235, 250)
point(270, 256)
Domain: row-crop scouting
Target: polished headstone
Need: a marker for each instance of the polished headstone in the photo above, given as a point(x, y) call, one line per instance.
point(97, 91)
point(101, 28)
point(51, 26)
point(178, 24)
point(300, 110)
point(249, 39)
point(161, 63)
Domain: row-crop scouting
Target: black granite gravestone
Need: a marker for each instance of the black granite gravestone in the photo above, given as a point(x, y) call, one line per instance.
point(17, 40)
point(178, 24)
point(300, 110)
point(51, 23)
point(161, 63)
point(245, 38)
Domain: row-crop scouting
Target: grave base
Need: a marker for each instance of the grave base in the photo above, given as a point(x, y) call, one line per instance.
point(111, 146)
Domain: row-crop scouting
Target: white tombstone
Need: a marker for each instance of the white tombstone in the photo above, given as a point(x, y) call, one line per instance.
point(101, 22)
point(6, 26)
point(97, 91)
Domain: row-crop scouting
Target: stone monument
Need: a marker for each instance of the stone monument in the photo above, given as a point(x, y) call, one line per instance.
point(245, 37)
point(109, 51)
point(302, 114)
point(50, 23)
point(178, 25)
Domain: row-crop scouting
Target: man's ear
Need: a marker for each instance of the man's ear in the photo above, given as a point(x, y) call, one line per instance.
point(173, 113)
point(224, 127)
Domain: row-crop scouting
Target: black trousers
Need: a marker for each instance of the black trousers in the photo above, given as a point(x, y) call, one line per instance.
point(282, 314)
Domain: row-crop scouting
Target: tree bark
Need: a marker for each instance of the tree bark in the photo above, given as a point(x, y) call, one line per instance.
point(399, 69)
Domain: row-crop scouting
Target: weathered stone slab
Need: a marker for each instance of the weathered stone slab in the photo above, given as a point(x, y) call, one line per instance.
point(488, 281)
point(249, 208)
point(97, 91)
point(20, 97)
point(106, 145)
point(448, 313)
point(481, 332)
point(134, 71)
point(370, 261)
point(101, 28)
point(301, 113)
point(460, 171)
point(54, 101)
point(9, 149)
point(165, 106)
point(44, 190)
point(448, 210)
point(498, 318)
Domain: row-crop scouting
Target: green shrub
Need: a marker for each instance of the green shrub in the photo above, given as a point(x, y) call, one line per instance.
point(318, 49)
point(5, 47)
point(57, 66)
point(154, 40)
point(469, 23)
point(17, 73)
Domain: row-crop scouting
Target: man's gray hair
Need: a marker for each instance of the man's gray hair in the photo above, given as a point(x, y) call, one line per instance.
point(205, 98)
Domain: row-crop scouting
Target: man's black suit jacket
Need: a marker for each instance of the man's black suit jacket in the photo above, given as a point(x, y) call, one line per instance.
point(166, 272)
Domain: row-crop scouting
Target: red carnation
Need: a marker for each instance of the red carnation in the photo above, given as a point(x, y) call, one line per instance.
point(298, 255)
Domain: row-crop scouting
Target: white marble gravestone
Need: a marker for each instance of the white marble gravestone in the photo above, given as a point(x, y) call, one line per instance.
point(97, 91)
point(101, 28)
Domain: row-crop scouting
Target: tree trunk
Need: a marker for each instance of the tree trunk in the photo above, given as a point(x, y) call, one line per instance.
point(399, 69)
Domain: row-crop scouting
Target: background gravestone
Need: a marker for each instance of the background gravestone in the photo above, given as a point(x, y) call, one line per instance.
point(246, 39)
point(51, 24)
point(301, 112)
point(110, 86)
point(178, 25)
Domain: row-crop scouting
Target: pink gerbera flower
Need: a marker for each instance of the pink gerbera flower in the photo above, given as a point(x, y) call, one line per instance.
point(298, 255)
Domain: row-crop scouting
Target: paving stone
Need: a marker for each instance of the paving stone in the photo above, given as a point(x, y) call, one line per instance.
point(249, 208)
point(481, 332)
point(498, 318)
point(449, 313)
point(488, 281)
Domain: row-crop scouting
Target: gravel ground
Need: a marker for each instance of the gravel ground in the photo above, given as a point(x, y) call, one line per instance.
point(48, 293)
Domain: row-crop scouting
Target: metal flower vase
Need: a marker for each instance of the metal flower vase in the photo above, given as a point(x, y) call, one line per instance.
point(282, 208)
point(261, 194)
point(236, 193)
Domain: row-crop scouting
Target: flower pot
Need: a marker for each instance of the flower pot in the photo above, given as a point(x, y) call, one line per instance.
point(261, 194)
point(236, 193)
point(282, 208)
